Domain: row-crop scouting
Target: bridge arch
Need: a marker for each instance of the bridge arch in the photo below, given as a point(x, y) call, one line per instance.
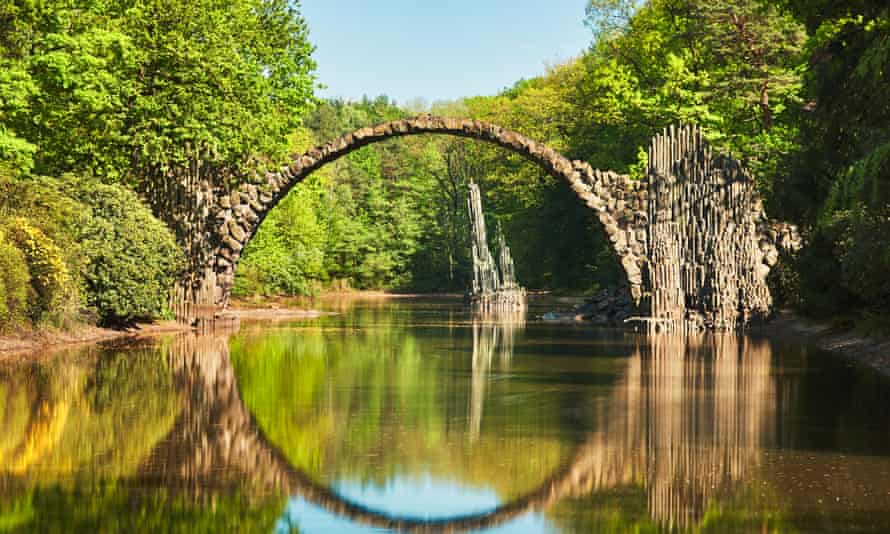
point(692, 237)
point(616, 199)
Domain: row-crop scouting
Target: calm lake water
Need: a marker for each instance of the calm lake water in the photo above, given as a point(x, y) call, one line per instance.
point(408, 414)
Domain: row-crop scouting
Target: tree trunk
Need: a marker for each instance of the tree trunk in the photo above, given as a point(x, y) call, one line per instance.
point(764, 106)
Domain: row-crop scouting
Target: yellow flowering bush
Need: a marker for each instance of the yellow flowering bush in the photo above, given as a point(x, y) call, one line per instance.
point(14, 284)
point(50, 279)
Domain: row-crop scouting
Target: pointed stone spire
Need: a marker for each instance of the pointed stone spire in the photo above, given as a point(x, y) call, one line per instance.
point(494, 284)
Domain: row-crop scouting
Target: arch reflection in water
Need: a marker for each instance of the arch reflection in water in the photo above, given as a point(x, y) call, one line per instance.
point(493, 333)
point(217, 442)
point(688, 419)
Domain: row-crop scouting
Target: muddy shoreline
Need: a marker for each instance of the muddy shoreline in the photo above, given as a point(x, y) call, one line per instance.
point(31, 344)
point(863, 350)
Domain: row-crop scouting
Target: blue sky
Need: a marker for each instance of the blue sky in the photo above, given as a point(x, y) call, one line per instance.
point(439, 49)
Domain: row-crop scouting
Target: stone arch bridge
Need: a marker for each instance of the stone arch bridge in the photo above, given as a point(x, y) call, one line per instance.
point(692, 237)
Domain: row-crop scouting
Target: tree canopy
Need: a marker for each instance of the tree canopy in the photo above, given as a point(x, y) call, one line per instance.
point(125, 90)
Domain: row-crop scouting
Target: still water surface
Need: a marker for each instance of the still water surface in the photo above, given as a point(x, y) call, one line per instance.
point(408, 414)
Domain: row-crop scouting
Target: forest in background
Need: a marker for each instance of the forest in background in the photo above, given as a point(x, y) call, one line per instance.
point(795, 90)
point(110, 96)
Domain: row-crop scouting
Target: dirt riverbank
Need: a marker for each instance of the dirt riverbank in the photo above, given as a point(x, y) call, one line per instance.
point(27, 343)
point(870, 351)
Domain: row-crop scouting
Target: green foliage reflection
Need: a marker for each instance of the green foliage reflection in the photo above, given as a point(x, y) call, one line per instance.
point(366, 402)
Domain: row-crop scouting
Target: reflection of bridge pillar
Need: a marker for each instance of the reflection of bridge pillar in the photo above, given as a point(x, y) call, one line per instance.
point(216, 440)
point(710, 408)
point(688, 419)
point(208, 439)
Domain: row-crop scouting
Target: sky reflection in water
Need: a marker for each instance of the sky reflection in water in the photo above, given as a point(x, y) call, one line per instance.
point(426, 497)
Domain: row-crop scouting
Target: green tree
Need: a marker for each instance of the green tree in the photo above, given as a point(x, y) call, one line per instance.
point(129, 90)
point(836, 182)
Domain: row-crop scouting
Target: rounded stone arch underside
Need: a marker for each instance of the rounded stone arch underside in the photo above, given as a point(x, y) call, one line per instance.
point(627, 210)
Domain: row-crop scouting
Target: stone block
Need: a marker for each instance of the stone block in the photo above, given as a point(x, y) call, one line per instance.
point(233, 245)
point(634, 275)
point(244, 213)
point(236, 231)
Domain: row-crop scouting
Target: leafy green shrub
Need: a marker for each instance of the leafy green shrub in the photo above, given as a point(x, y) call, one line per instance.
point(44, 202)
point(270, 270)
point(864, 251)
point(88, 244)
point(50, 279)
point(131, 257)
point(14, 285)
point(845, 263)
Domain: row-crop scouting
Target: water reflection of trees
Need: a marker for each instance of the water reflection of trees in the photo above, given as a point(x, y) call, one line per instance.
point(74, 412)
point(681, 441)
point(76, 432)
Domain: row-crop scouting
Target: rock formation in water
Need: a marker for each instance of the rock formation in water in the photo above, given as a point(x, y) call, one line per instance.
point(494, 284)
